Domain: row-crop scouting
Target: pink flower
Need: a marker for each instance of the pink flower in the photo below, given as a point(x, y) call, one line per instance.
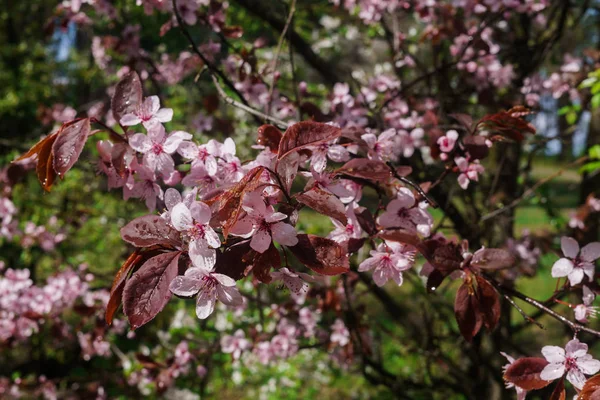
point(521, 393)
point(352, 230)
point(263, 224)
point(447, 142)
point(575, 362)
point(148, 113)
point(209, 286)
point(194, 223)
point(335, 152)
point(339, 333)
point(389, 260)
point(325, 180)
point(235, 344)
point(293, 281)
point(200, 178)
point(341, 95)
point(143, 187)
point(410, 141)
point(157, 148)
point(585, 310)
point(383, 147)
point(402, 213)
point(469, 171)
point(575, 264)
point(200, 155)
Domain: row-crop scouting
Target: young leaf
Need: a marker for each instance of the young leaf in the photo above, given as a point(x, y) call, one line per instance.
point(465, 120)
point(149, 230)
point(304, 134)
point(147, 291)
point(400, 235)
point(476, 146)
point(322, 255)
point(591, 389)
point(525, 373)
point(559, 392)
point(269, 136)
point(68, 145)
point(44, 169)
point(234, 260)
point(366, 169)
point(492, 259)
point(466, 311)
point(324, 203)
point(489, 303)
point(263, 262)
point(128, 95)
point(366, 221)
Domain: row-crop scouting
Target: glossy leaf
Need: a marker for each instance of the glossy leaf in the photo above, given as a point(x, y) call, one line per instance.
point(263, 262)
point(466, 311)
point(304, 134)
point(366, 169)
point(525, 373)
point(234, 260)
point(128, 95)
point(44, 168)
point(489, 303)
point(324, 203)
point(68, 145)
point(269, 136)
point(147, 291)
point(492, 259)
point(322, 255)
point(149, 230)
point(559, 392)
point(591, 389)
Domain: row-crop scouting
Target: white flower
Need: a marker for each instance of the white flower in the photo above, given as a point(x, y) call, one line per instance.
point(575, 362)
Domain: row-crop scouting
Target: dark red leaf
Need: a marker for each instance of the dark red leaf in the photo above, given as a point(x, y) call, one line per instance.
point(232, 32)
point(489, 303)
point(559, 392)
point(118, 285)
point(263, 262)
point(147, 291)
point(508, 124)
point(525, 373)
point(304, 134)
point(476, 146)
point(434, 280)
point(403, 170)
point(322, 255)
point(269, 136)
point(401, 236)
point(591, 389)
point(447, 258)
point(121, 156)
point(366, 221)
point(366, 169)
point(465, 120)
point(234, 260)
point(493, 259)
point(149, 230)
point(128, 95)
point(466, 311)
point(228, 205)
point(68, 145)
point(44, 168)
point(355, 245)
point(324, 203)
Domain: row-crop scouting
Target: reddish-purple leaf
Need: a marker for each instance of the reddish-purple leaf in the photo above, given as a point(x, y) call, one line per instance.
point(489, 303)
point(492, 259)
point(263, 262)
point(401, 236)
point(559, 392)
point(366, 169)
point(324, 203)
point(234, 260)
point(476, 146)
point(232, 32)
point(591, 389)
point(121, 156)
point(466, 311)
point(434, 280)
point(149, 230)
point(465, 120)
point(147, 291)
point(128, 95)
point(403, 170)
point(118, 285)
point(508, 123)
point(525, 373)
point(322, 255)
point(304, 134)
point(44, 168)
point(355, 245)
point(69, 143)
point(269, 136)
point(366, 221)
point(447, 258)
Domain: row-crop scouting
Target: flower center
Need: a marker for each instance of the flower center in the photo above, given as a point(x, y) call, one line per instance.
point(570, 363)
point(157, 148)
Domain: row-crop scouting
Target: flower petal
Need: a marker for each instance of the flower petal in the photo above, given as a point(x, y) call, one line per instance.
point(554, 354)
point(569, 246)
point(202, 256)
point(588, 365)
point(576, 276)
point(552, 371)
point(185, 286)
point(260, 241)
point(164, 115)
point(230, 296)
point(172, 198)
point(130, 120)
point(591, 252)
point(576, 349)
point(181, 217)
point(205, 304)
point(224, 279)
point(284, 234)
point(576, 378)
point(140, 142)
point(562, 267)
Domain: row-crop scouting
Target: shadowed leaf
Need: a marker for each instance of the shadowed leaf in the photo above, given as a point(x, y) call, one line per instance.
point(322, 255)
point(68, 145)
point(525, 373)
point(306, 133)
point(128, 95)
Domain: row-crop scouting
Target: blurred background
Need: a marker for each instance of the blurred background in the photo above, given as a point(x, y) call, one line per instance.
point(59, 251)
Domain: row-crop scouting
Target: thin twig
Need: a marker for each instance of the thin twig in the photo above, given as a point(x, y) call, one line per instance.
point(529, 192)
point(520, 310)
point(410, 183)
point(278, 52)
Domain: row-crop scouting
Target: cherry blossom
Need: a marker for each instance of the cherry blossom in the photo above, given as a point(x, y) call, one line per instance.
point(263, 224)
point(469, 171)
point(157, 148)
point(402, 213)
point(142, 184)
point(573, 360)
point(295, 282)
point(209, 287)
point(575, 264)
point(148, 114)
point(235, 344)
point(320, 153)
point(194, 223)
point(339, 333)
point(447, 143)
point(389, 260)
point(585, 310)
point(382, 147)
point(351, 230)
